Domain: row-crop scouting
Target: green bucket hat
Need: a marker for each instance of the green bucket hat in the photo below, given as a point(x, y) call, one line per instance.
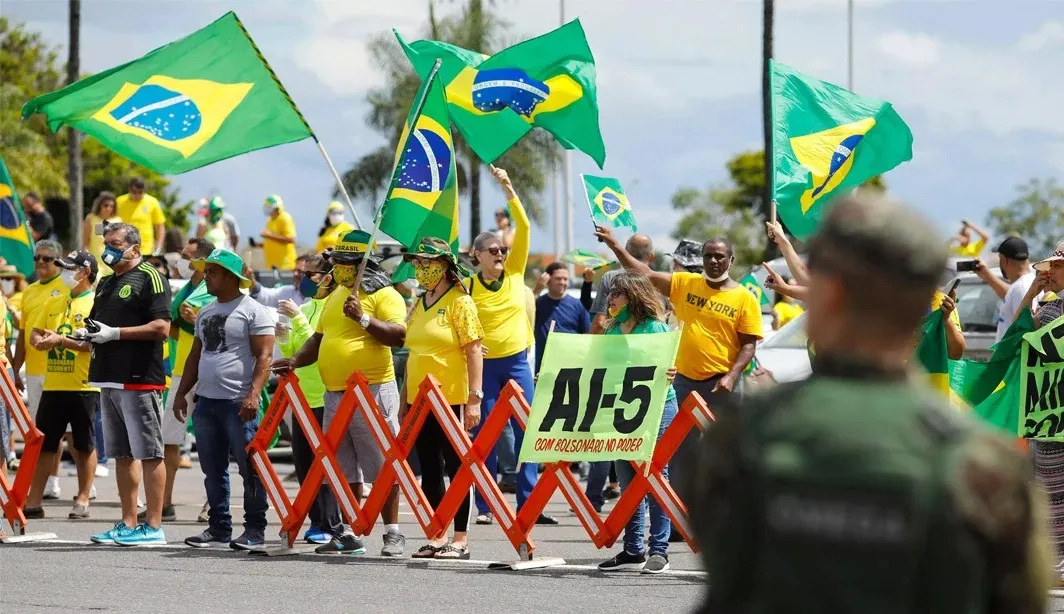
point(228, 261)
point(428, 249)
point(351, 248)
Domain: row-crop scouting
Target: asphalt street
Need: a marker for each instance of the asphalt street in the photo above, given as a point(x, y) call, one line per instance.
point(70, 574)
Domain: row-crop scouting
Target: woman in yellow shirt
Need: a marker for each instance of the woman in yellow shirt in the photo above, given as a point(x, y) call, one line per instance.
point(335, 226)
point(444, 338)
point(499, 292)
point(104, 209)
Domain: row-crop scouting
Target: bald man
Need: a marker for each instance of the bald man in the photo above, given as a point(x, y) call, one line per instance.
point(641, 248)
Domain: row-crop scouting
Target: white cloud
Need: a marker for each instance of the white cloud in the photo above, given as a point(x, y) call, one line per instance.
point(911, 48)
point(1051, 33)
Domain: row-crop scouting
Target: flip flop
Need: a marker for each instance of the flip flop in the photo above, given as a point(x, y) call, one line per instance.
point(450, 551)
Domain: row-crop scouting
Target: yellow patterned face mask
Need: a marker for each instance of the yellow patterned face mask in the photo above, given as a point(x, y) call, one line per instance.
point(430, 274)
point(344, 275)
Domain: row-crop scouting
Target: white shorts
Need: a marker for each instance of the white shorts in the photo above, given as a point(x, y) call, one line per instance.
point(174, 430)
point(34, 389)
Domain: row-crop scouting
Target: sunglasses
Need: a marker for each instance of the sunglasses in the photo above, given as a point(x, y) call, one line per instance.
point(495, 250)
point(44, 259)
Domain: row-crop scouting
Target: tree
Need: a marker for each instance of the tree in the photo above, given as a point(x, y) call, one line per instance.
point(1036, 214)
point(529, 162)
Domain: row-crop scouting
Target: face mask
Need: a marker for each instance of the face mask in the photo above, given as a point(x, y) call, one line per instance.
point(183, 268)
point(344, 275)
point(7, 286)
point(69, 278)
point(308, 288)
point(429, 275)
point(267, 210)
point(621, 315)
point(715, 280)
point(335, 218)
point(112, 256)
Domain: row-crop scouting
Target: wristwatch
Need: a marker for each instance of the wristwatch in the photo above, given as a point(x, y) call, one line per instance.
point(477, 393)
point(364, 321)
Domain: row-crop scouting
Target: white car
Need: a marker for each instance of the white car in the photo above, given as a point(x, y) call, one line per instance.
point(785, 353)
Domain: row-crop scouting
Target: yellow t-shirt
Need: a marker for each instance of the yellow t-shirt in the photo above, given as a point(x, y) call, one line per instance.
point(145, 214)
point(5, 335)
point(15, 303)
point(347, 347)
point(435, 337)
point(503, 312)
point(332, 236)
point(713, 320)
point(33, 302)
point(280, 255)
point(936, 302)
point(972, 250)
point(785, 312)
point(67, 369)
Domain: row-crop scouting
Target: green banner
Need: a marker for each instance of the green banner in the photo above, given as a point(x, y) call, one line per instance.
point(599, 397)
point(1041, 385)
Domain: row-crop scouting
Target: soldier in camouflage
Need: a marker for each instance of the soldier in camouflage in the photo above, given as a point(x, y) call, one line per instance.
point(858, 490)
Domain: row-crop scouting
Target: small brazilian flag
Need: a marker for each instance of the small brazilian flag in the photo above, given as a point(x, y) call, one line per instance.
point(546, 82)
point(609, 204)
point(826, 141)
point(750, 283)
point(932, 353)
point(586, 259)
point(198, 100)
point(16, 242)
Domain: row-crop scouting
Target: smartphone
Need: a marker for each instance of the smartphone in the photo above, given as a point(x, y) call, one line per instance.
point(91, 326)
point(951, 286)
point(967, 266)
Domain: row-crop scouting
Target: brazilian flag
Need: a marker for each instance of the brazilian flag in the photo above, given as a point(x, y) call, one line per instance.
point(546, 82)
point(198, 100)
point(826, 141)
point(750, 283)
point(587, 259)
point(932, 353)
point(16, 242)
point(609, 204)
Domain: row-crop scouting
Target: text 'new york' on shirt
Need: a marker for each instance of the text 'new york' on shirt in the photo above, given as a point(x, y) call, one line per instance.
point(134, 298)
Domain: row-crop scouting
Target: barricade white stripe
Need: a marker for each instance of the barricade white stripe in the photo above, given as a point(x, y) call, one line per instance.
point(3, 501)
point(408, 487)
point(480, 475)
point(519, 411)
point(678, 517)
point(701, 417)
point(302, 416)
point(337, 485)
point(579, 508)
point(382, 439)
point(12, 404)
point(448, 423)
point(270, 485)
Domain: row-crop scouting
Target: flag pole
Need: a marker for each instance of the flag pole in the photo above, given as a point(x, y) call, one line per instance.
point(395, 175)
point(339, 182)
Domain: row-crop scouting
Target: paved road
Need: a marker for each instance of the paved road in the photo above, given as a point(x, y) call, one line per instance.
point(83, 576)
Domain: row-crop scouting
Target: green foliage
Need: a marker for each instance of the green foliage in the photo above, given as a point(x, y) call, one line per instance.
point(529, 163)
point(1036, 214)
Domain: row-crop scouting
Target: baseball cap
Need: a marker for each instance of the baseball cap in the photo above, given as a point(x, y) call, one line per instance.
point(273, 201)
point(228, 261)
point(1014, 248)
point(78, 259)
point(351, 248)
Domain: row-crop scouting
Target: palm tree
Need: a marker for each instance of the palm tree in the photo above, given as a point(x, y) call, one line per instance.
point(529, 162)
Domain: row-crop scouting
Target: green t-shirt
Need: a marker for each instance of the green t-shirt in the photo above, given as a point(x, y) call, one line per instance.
point(643, 328)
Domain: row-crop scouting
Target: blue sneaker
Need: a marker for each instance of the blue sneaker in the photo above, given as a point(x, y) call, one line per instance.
point(141, 535)
point(108, 537)
point(314, 535)
point(250, 540)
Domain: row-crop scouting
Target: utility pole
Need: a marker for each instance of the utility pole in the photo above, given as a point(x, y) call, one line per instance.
point(567, 180)
point(74, 166)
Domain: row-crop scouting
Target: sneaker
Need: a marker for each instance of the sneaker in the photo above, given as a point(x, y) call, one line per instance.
point(394, 543)
point(79, 512)
point(141, 535)
point(51, 489)
point(33, 513)
point(314, 535)
point(545, 519)
point(657, 563)
point(508, 488)
point(484, 519)
point(675, 537)
point(102, 471)
point(204, 515)
point(624, 561)
point(611, 493)
point(169, 514)
point(206, 539)
point(92, 494)
point(108, 537)
point(185, 462)
point(344, 544)
point(249, 540)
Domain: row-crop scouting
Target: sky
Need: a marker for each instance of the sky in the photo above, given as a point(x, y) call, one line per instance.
point(678, 89)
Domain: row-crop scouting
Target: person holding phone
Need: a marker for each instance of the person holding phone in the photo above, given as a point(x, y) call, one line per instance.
point(947, 303)
point(962, 245)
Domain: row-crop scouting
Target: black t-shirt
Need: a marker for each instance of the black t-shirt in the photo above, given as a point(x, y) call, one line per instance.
point(42, 225)
point(137, 297)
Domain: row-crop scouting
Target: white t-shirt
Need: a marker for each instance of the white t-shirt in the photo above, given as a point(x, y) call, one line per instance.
point(1012, 303)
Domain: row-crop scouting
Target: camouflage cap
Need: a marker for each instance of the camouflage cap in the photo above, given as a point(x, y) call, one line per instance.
point(687, 253)
point(881, 237)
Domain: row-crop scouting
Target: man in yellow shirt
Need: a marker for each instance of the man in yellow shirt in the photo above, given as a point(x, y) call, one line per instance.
point(721, 327)
point(67, 399)
point(355, 333)
point(279, 238)
point(962, 244)
point(142, 210)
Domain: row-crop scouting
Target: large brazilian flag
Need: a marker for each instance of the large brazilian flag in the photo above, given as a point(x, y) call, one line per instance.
point(16, 242)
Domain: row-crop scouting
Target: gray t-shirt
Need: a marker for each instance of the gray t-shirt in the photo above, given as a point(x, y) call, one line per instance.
point(600, 304)
point(226, 362)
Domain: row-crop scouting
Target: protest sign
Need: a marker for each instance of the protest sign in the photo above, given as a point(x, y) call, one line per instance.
point(599, 397)
point(1041, 386)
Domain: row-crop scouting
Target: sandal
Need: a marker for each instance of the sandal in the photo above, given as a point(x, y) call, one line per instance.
point(452, 552)
point(484, 519)
point(428, 551)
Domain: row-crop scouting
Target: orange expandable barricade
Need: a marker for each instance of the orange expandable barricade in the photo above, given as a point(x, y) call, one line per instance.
point(13, 496)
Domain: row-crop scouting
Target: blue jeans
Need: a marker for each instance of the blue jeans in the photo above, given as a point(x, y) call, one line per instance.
point(597, 475)
point(101, 451)
point(219, 433)
point(497, 373)
point(507, 454)
point(660, 524)
point(5, 427)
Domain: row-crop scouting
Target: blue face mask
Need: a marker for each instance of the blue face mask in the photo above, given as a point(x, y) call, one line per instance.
point(112, 256)
point(307, 287)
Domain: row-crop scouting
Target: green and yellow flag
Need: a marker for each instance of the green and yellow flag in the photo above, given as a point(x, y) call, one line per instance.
point(827, 140)
point(546, 82)
point(608, 202)
point(16, 242)
point(750, 283)
point(198, 100)
point(932, 353)
point(587, 259)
